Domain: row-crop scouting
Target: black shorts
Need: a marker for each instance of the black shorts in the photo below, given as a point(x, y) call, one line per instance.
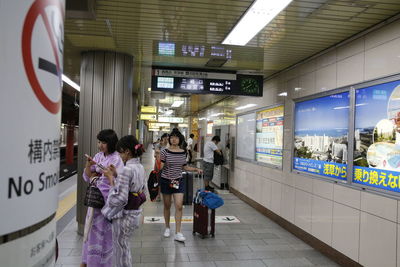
point(168, 190)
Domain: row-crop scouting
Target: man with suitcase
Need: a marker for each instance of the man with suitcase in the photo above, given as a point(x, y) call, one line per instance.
point(208, 161)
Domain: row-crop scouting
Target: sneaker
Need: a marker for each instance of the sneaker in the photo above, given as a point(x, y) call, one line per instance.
point(167, 232)
point(180, 237)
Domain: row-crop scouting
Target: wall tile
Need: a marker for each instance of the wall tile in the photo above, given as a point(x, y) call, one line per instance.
point(398, 245)
point(307, 67)
point(266, 193)
point(350, 70)
point(383, 35)
point(276, 196)
point(350, 49)
point(347, 196)
point(323, 189)
point(325, 78)
point(321, 226)
point(379, 205)
point(326, 59)
point(383, 60)
point(346, 230)
point(377, 241)
point(307, 84)
point(287, 206)
point(303, 206)
point(303, 183)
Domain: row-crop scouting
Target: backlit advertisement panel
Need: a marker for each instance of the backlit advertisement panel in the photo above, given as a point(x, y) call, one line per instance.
point(377, 136)
point(321, 136)
point(269, 136)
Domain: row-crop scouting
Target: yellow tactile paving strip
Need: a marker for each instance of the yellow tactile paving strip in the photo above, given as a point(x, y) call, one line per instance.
point(65, 204)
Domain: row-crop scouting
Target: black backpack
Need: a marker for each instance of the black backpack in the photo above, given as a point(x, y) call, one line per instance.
point(218, 158)
point(153, 184)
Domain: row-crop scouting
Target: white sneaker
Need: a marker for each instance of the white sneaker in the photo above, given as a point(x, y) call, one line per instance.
point(167, 232)
point(180, 237)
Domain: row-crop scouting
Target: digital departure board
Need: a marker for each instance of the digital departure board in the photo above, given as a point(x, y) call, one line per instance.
point(200, 82)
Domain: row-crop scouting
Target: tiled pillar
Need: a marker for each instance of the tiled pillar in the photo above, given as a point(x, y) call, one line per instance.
point(106, 102)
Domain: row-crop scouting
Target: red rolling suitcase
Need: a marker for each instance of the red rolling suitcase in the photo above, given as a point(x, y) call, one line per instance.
point(203, 220)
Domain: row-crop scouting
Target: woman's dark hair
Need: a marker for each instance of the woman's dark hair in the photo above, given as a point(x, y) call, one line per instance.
point(129, 142)
point(191, 135)
point(216, 138)
point(177, 133)
point(109, 137)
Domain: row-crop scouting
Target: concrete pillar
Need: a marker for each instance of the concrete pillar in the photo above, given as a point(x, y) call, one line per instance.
point(69, 150)
point(106, 103)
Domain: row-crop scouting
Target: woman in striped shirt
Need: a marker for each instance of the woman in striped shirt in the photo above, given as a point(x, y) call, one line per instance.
point(173, 162)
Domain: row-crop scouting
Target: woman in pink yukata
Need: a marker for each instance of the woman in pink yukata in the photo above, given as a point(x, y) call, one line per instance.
point(97, 240)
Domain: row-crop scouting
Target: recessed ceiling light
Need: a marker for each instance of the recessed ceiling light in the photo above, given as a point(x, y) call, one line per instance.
point(260, 13)
point(283, 94)
point(246, 106)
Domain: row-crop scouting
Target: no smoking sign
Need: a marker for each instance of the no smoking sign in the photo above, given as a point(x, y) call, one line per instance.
point(43, 67)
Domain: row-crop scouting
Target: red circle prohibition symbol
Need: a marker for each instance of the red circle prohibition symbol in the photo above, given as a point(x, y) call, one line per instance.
point(37, 9)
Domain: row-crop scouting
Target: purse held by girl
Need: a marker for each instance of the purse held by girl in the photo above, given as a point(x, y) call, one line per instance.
point(94, 198)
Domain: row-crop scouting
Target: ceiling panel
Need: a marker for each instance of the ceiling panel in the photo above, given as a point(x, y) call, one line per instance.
point(303, 29)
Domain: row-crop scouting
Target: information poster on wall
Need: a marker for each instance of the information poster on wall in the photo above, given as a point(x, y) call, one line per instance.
point(269, 136)
point(321, 136)
point(377, 136)
point(246, 127)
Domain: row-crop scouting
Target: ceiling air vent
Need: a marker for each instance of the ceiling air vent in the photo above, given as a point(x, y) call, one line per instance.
point(81, 9)
point(216, 62)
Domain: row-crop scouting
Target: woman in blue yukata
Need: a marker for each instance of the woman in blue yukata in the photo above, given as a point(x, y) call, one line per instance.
point(97, 240)
point(122, 206)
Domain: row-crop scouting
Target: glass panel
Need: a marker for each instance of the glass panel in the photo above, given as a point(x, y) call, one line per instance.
point(321, 136)
point(377, 136)
point(269, 136)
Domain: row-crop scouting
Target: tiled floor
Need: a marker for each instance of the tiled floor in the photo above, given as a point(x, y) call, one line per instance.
point(256, 241)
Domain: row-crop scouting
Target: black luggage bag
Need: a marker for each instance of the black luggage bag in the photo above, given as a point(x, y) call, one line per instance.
point(188, 196)
point(203, 220)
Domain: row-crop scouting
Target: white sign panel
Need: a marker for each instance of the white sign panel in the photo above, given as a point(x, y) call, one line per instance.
point(245, 141)
point(170, 119)
point(36, 249)
point(30, 103)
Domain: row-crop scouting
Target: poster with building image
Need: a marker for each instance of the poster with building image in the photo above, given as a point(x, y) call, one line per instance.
point(321, 136)
point(377, 136)
point(269, 136)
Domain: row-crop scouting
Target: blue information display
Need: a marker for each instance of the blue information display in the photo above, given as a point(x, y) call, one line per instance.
point(377, 136)
point(321, 136)
point(327, 169)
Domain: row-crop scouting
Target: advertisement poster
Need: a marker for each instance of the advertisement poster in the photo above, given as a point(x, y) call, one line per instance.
point(321, 136)
point(269, 136)
point(377, 136)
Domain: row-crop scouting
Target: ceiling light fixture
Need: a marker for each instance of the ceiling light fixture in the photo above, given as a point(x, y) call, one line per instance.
point(71, 83)
point(246, 106)
point(283, 94)
point(149, 89)
point(169, 112)
point(202, 119)
point(297, 88)
point(177, 103)
point(216, 114)
point(257, 16)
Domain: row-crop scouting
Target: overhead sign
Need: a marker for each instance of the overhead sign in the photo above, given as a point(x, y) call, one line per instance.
point(31, 78)
point(148, 117)
point(200, 82)
point(193, 50)
point(148, 109)
point(158, 124)
point(170, 119)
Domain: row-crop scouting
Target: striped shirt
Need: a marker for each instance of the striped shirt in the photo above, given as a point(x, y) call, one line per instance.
point(173, 164)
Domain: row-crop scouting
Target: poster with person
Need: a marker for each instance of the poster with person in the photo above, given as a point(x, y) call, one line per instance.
point(377, 136)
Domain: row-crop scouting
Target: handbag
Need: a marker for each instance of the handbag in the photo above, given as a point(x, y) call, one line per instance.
point(94, 198)
point(135, 200)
